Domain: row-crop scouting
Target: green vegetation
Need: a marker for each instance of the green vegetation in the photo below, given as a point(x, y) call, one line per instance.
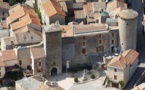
point(76, 79)
point(13, 2)
point(37, 9)
point(108, 81)
point(15, 74)
point(93, 76)
point(122, 83)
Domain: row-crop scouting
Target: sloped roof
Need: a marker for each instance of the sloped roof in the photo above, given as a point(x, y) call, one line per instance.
point(4, 5)
point(67, 30)
point(52, 7)
point(25, 20)
point(38, 52)
point(9, 55)
point(127, 57)
point(15, 13)
point(112, 5)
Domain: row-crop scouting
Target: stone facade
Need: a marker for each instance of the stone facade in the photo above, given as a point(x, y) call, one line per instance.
point(53, 50)
point(79, 48)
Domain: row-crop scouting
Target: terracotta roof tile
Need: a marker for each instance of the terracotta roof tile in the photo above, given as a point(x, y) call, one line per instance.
point(9, 55)
point(25, 20)
point(52, 7)
point(15, 13)
point(127, 57)
point(4, 5)
point(38, 52)
point(67, 30)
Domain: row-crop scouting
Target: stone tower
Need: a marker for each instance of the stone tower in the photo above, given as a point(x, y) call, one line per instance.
point(128, 29)
point(53, 49)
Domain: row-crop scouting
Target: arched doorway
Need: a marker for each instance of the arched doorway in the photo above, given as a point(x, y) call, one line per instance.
point(53, 71)
point(112, 49)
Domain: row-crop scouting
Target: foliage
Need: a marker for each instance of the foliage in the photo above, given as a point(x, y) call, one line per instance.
point(37, 10)
point(76, 79)
point(93, 76)
point(13, 2)
point(14, 75)
point(108, 81)
point(122, 83)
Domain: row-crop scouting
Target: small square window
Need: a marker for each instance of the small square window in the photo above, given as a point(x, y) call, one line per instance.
point(100, 35)
point(100, 41)
point(115, 70)
point(84, 43)
point(83, 51)
point(84, 37)
point(112, 34)
point(112, 41)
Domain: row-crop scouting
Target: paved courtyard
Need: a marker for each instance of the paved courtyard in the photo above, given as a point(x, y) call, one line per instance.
point(67, 81)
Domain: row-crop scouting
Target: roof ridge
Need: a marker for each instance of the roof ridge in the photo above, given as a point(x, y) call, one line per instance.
point(119, 61)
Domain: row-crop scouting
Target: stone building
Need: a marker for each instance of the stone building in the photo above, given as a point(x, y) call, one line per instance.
point(88, 41)
point(128, 29)
point(122, 67)
point(53, 49)
point(51, 11)
point(4, 7)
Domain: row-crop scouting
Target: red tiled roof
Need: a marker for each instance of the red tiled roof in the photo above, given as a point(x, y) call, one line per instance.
point(9, 55)
point(52, 7)
point(127, 57)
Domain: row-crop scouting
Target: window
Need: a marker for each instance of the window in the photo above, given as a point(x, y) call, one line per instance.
point(84, 43)
point(3, 13)
point(100, 35)
point(0, 73)
point(39, 63)
point(112, 41)
point(84, 37)
point(20, 62)
point(38, 70)
point(112, 34)
point(83, 51)
point(115, 77)
point(115, 70)
point(12, 43)
point(97, 49)
point(99, 41)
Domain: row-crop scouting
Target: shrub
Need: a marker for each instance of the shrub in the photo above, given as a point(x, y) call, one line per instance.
point(76, 79)
point(93, 76)
point(108, 81)
point(122, 84)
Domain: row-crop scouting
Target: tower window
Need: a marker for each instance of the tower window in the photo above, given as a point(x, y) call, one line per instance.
point(84, 37)
point(100, 41)
point(39, 63)
point(96, 49)
point(84, 43)
point(83, 51)
point(112, 34)
point(112, 41)
point(100, 35)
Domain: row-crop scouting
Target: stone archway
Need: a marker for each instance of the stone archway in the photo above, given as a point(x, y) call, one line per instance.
point(54, 71)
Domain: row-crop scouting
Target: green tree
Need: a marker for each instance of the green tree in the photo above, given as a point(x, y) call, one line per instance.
point(108, 81)
point(76, 79)
point(122, 83)
point(13, 2)
point(93, 76)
